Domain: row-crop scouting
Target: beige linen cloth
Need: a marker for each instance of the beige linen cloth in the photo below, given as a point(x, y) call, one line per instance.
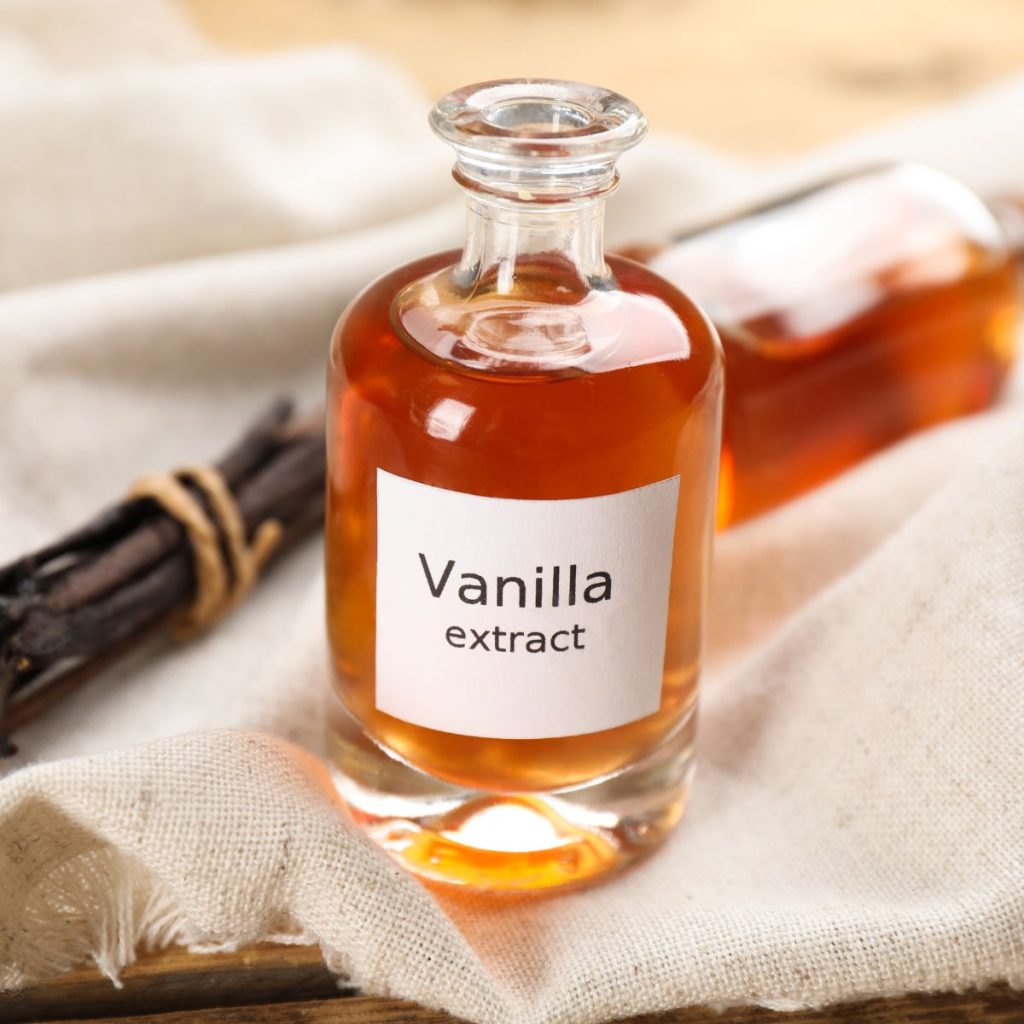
point(180, 228)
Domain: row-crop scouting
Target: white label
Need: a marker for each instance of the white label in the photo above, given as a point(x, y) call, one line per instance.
point(518, 619)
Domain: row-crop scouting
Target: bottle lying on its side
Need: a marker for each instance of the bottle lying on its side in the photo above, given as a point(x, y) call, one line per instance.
point(852, 314)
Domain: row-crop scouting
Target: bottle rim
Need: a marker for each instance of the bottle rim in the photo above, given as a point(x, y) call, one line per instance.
point(527, 118)
point(537, 140)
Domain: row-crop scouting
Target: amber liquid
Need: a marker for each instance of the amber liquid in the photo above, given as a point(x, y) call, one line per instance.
point(645, 411)
point(799, 410)
point(852, 314)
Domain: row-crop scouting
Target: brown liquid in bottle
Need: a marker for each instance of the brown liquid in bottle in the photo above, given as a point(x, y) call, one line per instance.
point(501, 418)
point(645, 411)
point(851, 316)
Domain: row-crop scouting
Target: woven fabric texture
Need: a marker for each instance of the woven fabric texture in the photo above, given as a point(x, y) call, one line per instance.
point(181, 228)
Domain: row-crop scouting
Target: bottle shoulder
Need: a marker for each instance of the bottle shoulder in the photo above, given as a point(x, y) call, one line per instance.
point(545, 328)
point(509, 430)
point(797, 269)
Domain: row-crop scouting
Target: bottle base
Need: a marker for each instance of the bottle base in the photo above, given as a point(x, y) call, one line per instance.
point(511, 842)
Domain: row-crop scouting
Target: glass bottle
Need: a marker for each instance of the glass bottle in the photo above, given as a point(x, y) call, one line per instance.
point(522, 452)
point(851, 314)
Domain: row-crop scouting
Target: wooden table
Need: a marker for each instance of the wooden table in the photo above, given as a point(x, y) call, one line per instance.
point(289, 985)
point(756, 78)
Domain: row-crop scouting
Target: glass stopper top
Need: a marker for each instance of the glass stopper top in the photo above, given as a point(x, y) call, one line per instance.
point(543, 137)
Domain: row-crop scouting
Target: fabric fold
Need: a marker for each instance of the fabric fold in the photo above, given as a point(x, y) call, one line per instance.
point(184, 228)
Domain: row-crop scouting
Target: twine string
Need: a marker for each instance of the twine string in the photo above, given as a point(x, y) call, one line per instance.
point(225, 565)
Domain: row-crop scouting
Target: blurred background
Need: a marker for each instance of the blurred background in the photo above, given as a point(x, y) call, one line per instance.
point(758, 78)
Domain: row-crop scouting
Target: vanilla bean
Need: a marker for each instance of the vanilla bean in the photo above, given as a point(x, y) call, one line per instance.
point(45, 693)
point(109, 524)
point(72, 607)
point(107, 570)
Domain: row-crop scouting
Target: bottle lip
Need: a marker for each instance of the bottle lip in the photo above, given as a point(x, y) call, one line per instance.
point(523, 119)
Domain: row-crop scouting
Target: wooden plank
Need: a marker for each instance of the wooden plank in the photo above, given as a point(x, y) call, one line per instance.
point(354, 1010)
point(762, 79)
point(997, 1005)
point(174, 979)
point(276, 984)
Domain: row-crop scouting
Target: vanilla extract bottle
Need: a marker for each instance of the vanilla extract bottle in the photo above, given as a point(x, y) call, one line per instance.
point(852, 314)
point(523, 442)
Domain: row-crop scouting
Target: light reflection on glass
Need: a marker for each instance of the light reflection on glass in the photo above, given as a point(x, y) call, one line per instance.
point(448, 418)
point(511, 827)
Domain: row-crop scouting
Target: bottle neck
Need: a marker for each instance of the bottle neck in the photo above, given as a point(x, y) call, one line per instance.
point(509, 242)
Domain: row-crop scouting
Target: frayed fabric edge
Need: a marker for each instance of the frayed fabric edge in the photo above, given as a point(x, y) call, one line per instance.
point(100, 906)
point(104, 907)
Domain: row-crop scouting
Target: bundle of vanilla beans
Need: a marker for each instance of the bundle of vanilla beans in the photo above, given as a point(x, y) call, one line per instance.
point(73, 607)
